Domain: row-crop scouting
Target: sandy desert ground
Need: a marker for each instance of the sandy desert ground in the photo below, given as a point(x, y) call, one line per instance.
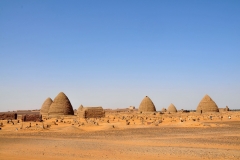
point(168, 136)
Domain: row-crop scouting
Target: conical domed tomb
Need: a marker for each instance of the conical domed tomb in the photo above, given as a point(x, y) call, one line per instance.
point(172, 108)
point(45, 106)
point(207, 105)
point(61, 106)
point(147, 105)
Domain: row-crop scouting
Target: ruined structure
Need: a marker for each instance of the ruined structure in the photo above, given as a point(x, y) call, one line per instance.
point(91, 112)
point(80, 108)
point(131, 107)
point(226, 109)
point(7, 116)
point(147, 105)
point(24, 115)
point(207, 105)
point(45, 106)
point(172, 108)
point(31, 117)
point(164, 110)
point(61, 106)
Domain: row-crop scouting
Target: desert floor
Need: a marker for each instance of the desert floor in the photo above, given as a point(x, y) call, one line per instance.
point(209, 139)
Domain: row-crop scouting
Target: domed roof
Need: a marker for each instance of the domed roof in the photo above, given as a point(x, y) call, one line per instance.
point(80, 108)
point(61, 106)
point(45, 106)
point(147, 105)
point(207, 105)
point(172, 108)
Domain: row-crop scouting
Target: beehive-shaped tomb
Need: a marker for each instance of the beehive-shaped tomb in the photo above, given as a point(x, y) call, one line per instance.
point(207, 105)
point(61, 106)
point(45, 106)
point(147, 105)
point(172, 108)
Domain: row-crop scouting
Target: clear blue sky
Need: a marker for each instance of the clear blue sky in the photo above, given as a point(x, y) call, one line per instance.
point(113, 53)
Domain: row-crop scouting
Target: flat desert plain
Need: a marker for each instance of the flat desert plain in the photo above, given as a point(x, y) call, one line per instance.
point(180, 136)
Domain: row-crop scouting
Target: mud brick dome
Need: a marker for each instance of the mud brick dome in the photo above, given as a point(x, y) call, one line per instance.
point(45, 106)
point(61, 106)
point(207, 105)
point(172, 108)
point(147, 105)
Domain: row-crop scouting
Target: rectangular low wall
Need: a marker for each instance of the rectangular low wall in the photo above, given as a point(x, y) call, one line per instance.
point(6, 116)
point(32, 117)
